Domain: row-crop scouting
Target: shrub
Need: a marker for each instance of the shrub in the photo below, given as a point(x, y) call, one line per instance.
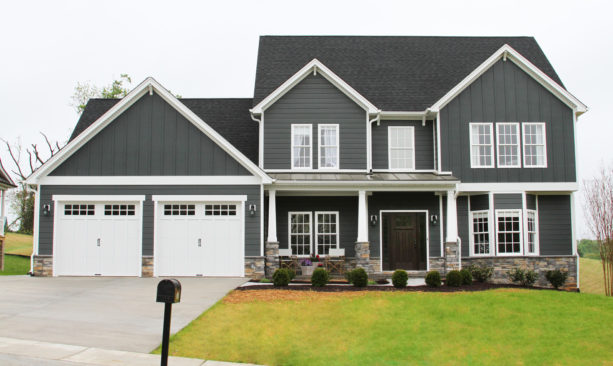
point(556, 277)
point(523, 277)
point(531, 278)
point(454, 278)
point(320, 277)
point(358, 277)
point(400, 278)
point(280, 277)
point(291, 273)
point(481, 274)
point(467, 277)
point(433, 279)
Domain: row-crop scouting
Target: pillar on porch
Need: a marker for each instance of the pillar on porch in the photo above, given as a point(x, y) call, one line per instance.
point(452, 250)
point(272, 244)
point(362, 246)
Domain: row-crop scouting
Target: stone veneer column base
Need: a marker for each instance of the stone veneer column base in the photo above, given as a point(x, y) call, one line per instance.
point(362, 256)
point(147, 267)
point(43, 266)
point(452, 257)
point(272, 258)
point(255, 267)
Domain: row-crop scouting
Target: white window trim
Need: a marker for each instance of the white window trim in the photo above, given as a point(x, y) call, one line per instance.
point(521, 232)
point(320, 146)
point(536, 235)
point(289, 231)
point(389, 148)
point(471, 234)
point(317, 230)
point(310, 126)
point(523, 141)
point(491, 126)
point(519, 155)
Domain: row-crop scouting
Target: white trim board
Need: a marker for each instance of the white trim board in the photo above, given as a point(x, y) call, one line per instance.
point(519, 187)
point(151, 180)
point(148, 85)
point(97, 198)
point(199, 198)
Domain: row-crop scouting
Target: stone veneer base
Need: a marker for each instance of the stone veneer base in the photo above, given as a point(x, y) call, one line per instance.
point(255, 267)
point(147, 267)
point(43, 266)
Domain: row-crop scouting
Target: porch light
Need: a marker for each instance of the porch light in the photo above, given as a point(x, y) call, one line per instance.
point(373, 220)
point(46, 210)
point(252, 209)
point(433, 219)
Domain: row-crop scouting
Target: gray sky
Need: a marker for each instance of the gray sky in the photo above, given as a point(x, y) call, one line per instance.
point(209, 49)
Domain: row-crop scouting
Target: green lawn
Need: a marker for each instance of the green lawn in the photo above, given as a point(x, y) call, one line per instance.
point(516, 327)
point(20, 244)
point(15, 265)
point(591, 278)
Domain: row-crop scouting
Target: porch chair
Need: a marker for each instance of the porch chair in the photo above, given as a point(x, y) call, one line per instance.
point(335, 261)
point(287, 259)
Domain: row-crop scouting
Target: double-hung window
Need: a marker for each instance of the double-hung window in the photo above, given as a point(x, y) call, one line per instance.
point(328, 146)
point(535, 150)
point(508, 145)
point(401, 147)
point(531, 233)
point(480, 233)
point(301, 146)
point(509, 232)
point(326, 232)
point(300, 233)
point(481, 145)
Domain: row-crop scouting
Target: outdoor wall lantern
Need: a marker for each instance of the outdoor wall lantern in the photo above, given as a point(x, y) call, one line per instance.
point(433, 219)
point(46, 210)
point(252, 209)
point(373, 220)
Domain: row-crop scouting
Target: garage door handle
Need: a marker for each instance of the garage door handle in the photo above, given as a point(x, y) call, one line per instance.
point(98, 242)
point(199, 242)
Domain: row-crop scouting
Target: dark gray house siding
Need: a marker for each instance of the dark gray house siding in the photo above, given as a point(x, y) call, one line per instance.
point(479, 202)
point(555, 225)
point(252, 223)
point(424, 144)
point(531, 202)
point(505, 93)
point(507, 201)
point(150, 138)
point(403, 201)
point(314, 101)
point(463, 229)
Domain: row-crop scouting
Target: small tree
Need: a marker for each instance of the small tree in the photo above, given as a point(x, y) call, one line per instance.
point(85, 91)
point(599, 214)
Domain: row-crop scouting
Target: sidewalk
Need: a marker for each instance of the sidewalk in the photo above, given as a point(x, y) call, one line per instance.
point(22, 352)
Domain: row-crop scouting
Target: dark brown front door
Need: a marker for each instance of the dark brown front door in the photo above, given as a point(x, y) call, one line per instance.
point(404, 241)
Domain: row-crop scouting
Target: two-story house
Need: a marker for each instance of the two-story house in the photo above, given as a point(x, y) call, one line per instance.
point(416, 153)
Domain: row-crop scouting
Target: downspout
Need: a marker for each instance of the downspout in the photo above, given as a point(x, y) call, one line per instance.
point(369, 135)
point(260, 139)
point(36, 228)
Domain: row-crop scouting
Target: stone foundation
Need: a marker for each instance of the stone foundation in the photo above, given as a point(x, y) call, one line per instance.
point(372, 266)
point(452, 256)
point(255, 267)
point(362, 256)
point(437, 264)
point(272, 258)
point(43, 266)
point(147, 267)
point(540, 265)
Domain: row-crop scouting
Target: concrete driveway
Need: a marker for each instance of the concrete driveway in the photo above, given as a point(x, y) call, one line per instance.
point(111, 313)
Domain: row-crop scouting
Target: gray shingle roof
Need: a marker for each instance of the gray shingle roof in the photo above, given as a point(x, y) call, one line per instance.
point(395, 73)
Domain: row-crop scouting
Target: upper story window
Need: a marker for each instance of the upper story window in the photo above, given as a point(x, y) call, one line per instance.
point(481, 145)
point(508, 145)
point(328, 146)
point(535, 151)
point(401, 147)
point(301, 146)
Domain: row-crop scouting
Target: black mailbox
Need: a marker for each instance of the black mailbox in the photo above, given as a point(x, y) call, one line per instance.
point(169, 291)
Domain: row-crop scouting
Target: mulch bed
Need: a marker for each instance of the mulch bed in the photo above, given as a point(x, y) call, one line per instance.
point(477, 286)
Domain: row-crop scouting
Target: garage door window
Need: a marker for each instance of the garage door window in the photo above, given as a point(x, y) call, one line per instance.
point(179, 210)
point(220, 210)
point(119, 210)
point(79, 210)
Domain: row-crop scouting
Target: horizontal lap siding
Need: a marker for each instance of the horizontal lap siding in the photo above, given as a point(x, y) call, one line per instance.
point(505, 93)
point(314, 101)
point(424, 144)
point(555, 225)
point(479, 202)
point(252, 223)
point(507, 201)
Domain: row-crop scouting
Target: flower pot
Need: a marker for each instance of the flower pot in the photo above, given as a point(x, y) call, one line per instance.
point(307, 270)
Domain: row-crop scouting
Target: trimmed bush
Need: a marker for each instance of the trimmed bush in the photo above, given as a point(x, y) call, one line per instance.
point(280, 277)
point(531, 278)
point(556, 278)
point(467, 277)
point(433, 279)
point(320, 277)
point(481, 274)
point(400, 278)
point(454, 278)
point(523, 277)
point(291, 273)
point(358, 277)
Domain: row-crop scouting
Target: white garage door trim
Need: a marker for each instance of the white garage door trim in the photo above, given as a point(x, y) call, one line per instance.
point(198, 199)
point(63, 199)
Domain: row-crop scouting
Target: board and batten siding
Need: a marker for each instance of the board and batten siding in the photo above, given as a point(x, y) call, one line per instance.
point(505, 93)
point(555, 225)
point(150, 138)
point(424, 144)
point(252, 223)
point(314, 101)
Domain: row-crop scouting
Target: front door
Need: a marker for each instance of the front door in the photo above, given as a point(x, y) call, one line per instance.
point(404, 241)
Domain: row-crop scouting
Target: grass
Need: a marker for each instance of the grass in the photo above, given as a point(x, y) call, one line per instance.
point(20, 244)
point(15, 265)
point(518, 327)
point(591, 278)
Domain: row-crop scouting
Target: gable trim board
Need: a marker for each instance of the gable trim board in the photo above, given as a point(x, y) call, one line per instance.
point(148, 85)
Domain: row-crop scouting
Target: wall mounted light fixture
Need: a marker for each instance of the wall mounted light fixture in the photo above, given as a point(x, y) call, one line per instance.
point(252, 209)
point(46, 210)
point(373, 220)
point(433, 219)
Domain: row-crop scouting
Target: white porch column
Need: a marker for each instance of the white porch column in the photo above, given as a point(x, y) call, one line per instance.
point(452, 217)
point(272, 217)
point(362, 218)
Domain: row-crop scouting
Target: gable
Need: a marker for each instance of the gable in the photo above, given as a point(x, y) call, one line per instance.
point(150, 138)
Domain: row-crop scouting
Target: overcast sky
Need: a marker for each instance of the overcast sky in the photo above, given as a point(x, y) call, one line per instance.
point(209, 49)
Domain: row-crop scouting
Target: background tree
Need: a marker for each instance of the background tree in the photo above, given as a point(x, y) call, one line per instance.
point(84, 91)
point(599, 214)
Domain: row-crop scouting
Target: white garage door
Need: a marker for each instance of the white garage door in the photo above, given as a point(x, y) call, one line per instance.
point(97, 239)
point(199, 239)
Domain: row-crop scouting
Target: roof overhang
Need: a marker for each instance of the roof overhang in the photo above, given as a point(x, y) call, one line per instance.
point(314, 67)
point(150, 86)
point(507, 52)
point(5, 175)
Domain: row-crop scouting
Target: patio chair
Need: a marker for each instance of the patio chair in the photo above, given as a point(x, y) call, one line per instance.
point(287, 259)
point(335, 261)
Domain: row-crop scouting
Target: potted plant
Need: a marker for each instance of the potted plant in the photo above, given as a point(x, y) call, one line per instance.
point(306, 265)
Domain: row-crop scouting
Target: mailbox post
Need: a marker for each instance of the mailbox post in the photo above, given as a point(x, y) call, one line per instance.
point(169, 292)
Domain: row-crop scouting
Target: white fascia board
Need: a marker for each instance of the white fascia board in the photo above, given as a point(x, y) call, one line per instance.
point(404, 115)
point(361, 185)
point(133, 96)
point(314, 66)
point(511, 54)
point(519, 187)
point(199, 198)
point(151, 180)
point(97, 198)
